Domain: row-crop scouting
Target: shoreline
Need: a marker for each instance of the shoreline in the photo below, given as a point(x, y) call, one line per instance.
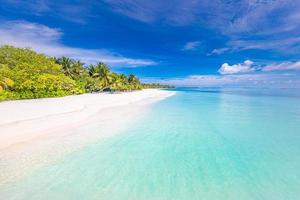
point(21, 119)
point(27, 144)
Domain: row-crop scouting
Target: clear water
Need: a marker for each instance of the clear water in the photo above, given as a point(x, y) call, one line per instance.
point(199, 144)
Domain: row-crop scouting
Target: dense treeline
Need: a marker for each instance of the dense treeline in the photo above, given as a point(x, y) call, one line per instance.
point(26, 74)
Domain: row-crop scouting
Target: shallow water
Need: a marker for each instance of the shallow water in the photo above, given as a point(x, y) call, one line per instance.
point(199, 144)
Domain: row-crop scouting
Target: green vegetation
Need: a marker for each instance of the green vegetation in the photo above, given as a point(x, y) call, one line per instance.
point(25, 74)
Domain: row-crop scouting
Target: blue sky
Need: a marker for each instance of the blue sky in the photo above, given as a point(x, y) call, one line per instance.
point(252, 43)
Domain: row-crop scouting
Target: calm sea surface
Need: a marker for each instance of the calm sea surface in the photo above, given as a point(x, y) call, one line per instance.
point(208, 144)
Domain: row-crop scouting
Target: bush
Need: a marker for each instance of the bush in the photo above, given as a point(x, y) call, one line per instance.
point(26, 74)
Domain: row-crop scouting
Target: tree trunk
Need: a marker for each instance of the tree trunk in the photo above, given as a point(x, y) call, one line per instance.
point(104, 88)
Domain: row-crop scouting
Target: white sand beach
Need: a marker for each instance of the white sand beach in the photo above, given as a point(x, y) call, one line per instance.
point(33, 131)
point(23, 120)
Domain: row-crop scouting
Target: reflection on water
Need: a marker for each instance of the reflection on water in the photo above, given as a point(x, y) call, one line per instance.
point(195, 145)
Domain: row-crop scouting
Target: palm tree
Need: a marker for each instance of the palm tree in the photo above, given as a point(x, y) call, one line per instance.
point(116, 82)
point(77, 70)
point(124, 82)
point(101, 72)
point(134, 82)
point(132, 79)
point(124, 78)
point(92, 71)
point(71, 68)
point(66, 64)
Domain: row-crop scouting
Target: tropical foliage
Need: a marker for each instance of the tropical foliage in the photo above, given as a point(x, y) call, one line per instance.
point(26, 74)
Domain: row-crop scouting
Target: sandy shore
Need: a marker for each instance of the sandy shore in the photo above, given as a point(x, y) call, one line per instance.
point(21, 121)
point(36, 132)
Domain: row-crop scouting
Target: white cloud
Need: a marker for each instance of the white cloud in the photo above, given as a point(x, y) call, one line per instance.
point(219, 51)
point(234, 80)
point(229, 17)
point(284, 66)
point(288, 45)
point(172, 12)
point(244, 67)
point(240, 21)
point(238, 75)
point(74, 11)
point(248, 62)
point(46, 40)
point(247, 66)
point(193, 45)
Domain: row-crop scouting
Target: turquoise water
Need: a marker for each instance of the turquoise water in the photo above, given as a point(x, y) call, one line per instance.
point(198, 144)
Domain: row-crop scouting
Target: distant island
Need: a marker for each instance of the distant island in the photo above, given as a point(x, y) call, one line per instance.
point(26, 74)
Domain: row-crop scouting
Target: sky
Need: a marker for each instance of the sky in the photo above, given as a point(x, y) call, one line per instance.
point(206, 43)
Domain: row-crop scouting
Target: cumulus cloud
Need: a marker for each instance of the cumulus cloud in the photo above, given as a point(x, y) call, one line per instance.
point(193, 45)
point(284, 66)
point(237, 76)
point(245, 67)
point(47, 40)
point(248, 66)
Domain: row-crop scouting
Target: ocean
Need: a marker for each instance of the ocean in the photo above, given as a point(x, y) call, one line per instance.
point(210, 144)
